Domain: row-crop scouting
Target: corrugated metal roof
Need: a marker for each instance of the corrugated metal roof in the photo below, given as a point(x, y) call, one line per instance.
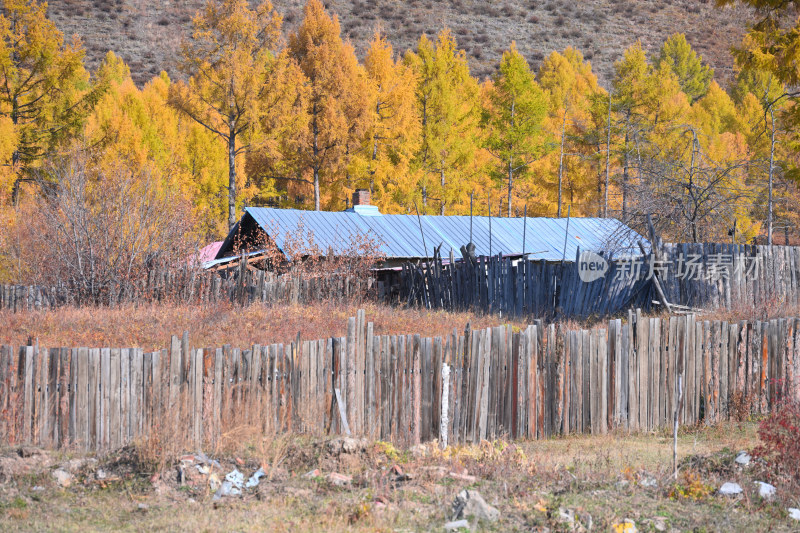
point(400, 238)
point(222, 260)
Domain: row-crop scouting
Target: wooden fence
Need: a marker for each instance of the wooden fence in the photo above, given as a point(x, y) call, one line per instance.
point(521, 288)
point(241, 286)
point(727, 275)
point(464, 387)
point(691, 275)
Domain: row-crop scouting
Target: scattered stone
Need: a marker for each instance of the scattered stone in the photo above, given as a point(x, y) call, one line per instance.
point(586, 520)
point(73, 466)
point(743, 458)
point(100, 474)
point(730, 489)
point(28, 451)
point(340, 480)
point(765, 490)
point(347, 445)
point(471, 503)
point(648, 482)
point(63, 478)
point(625, 526)
point(566, 516)
point(794, 513)
point(456, 524)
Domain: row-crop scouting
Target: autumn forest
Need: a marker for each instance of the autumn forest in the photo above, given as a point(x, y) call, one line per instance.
point(261, 117)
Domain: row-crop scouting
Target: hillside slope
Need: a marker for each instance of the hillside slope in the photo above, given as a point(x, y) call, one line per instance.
point(148, 34)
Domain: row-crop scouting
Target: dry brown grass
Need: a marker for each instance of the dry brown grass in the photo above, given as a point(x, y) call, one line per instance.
point(752, 312)
point(150, 327)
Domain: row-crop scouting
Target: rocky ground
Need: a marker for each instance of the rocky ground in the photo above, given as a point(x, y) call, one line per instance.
point(603, 483)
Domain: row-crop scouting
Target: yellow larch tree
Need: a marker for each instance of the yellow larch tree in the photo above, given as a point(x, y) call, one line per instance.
point(231, 52)
point(394, 134)
point(45, 92)
point(516, 107)
point(137, 128)
point(573, 171)
point(449, 103)
point(337, 108)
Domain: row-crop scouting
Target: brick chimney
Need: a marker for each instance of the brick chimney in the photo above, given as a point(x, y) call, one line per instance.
point(361, 197)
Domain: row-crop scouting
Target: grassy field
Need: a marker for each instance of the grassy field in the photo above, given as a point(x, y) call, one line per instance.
point(532, 484)
point(149, 327)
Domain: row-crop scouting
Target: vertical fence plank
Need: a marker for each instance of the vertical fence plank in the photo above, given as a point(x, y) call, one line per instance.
point(125, 395)
point(416, 386)
point(95, 407)
point(764, 369)
point(82, 397)
point(105, 400)
point(360, 369)
point(41, 402)
point(136, 404)
point(27, 378)
point(603, 379)
point(216, 408)
point(371, 361)
point(197, 371)
point(484, 379)
point(6, 398)
point(643, 362)
point(436, 389)
point(351, 348)
point(110, 403)
point(52, 394)
point(174, 380)
point(534, 378)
